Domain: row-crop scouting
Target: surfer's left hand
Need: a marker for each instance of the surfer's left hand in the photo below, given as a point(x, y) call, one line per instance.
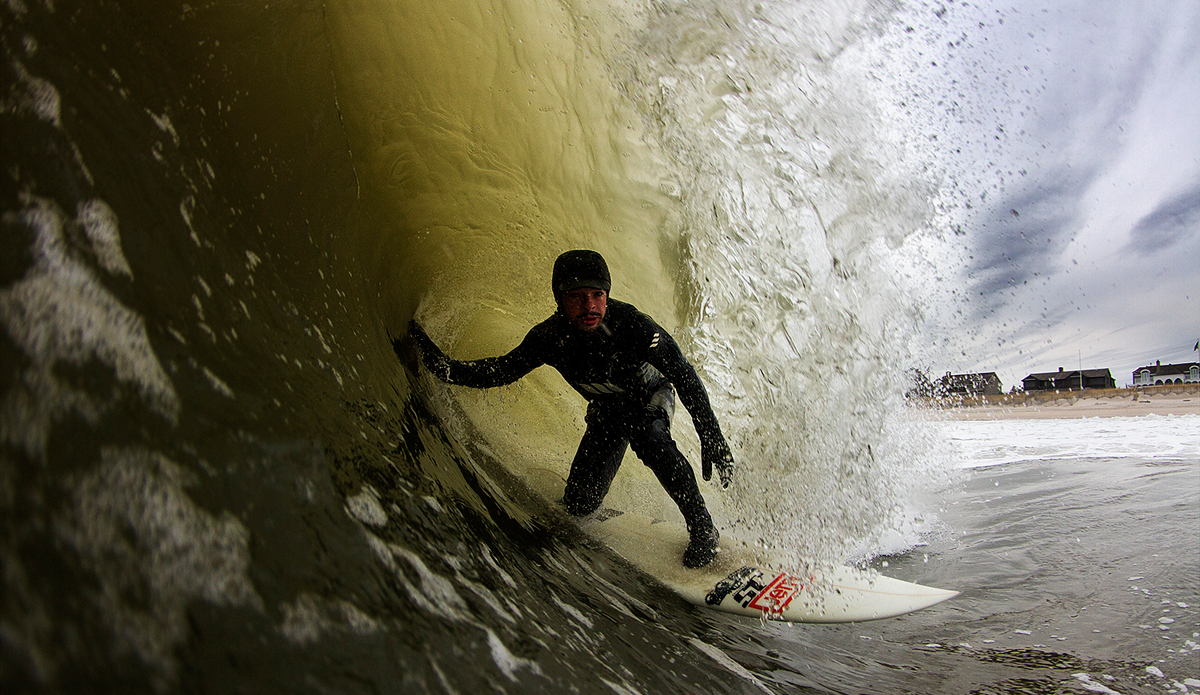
point(719, 456)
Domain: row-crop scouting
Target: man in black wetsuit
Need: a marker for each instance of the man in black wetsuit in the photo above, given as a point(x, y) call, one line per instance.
point(628, 368)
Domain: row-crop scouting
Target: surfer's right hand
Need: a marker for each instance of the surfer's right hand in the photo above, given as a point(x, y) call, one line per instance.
point(421, 339)
point(429, 353)
point(411, 348)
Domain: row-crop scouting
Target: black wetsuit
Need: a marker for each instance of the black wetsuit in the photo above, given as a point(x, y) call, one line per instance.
point(625, 369)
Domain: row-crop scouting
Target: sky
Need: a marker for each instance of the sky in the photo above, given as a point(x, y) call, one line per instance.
point(1069, 134)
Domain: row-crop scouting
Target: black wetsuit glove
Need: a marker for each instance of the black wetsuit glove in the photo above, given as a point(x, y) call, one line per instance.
point(431, 355)
point(714, 451)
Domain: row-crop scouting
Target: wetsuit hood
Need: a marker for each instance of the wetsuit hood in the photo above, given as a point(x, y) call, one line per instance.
point(580, 268)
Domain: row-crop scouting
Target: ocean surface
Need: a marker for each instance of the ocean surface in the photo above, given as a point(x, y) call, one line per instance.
point(216, 476)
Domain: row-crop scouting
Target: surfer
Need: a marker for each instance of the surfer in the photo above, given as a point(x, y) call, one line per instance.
point(628, 369)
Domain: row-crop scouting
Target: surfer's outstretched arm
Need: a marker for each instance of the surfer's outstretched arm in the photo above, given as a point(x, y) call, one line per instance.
point(484, 373)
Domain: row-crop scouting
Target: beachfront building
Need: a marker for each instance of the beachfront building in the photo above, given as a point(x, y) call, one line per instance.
point(984, 384)
point(919, 385)
point(1074, 380)
point(1159, 374)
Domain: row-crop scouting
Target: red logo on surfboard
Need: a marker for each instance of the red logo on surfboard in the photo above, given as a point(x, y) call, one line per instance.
point(747, 588)
point(778, 594)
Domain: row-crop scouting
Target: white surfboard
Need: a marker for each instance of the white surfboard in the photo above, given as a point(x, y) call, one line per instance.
point(738, 583)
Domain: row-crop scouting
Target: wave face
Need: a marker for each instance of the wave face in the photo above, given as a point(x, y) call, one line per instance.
point(214, 471)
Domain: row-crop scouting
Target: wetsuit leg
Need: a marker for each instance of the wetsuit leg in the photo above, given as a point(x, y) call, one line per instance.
point(652, 442)
point(596, 461)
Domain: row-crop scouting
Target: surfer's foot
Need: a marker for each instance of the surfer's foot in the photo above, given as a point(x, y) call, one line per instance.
point(702, 548)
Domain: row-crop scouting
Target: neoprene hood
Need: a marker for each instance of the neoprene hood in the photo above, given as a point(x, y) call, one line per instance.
point(580, 268)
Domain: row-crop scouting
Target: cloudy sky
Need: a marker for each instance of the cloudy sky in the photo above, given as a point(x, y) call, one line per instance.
point(1070, 130)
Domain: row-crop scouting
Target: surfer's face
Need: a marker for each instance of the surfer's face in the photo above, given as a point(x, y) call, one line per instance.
point(585, 307)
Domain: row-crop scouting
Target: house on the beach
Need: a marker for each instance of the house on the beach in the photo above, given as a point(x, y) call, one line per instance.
point(1073, 380)
point(983, 384)
point(919, 385)
point(1159, 374)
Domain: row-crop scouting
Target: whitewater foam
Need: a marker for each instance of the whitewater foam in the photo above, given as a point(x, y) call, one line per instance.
point(1001, 442)
point(61, 312)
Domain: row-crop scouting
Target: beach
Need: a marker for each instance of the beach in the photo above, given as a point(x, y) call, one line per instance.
point(1165, 400)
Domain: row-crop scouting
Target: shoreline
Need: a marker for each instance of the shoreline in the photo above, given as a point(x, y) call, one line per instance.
point(1132, 402)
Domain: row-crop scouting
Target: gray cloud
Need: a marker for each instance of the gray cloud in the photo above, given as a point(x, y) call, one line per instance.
point(1076, 118)
point(1057, 121)
point(1174, 219)
point(1023, 237)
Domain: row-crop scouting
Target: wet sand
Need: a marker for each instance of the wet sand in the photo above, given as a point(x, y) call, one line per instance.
point(1114, 403)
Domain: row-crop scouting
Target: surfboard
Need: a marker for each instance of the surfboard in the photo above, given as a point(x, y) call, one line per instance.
point(739, 582)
